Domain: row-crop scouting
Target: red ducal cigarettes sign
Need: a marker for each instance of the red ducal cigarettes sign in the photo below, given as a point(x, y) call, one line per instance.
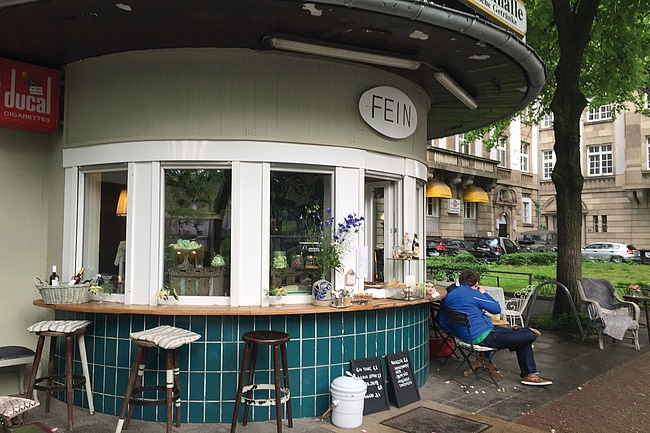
point(29, 97)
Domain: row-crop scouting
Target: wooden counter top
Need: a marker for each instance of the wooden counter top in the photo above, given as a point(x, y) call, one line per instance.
point(221, 310)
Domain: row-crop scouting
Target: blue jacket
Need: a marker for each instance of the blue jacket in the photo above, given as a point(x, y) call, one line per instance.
point(467, 300)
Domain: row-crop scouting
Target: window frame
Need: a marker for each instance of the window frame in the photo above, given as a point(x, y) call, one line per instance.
point(524, 156)
point(599, 114)
point(501, 152)
point(598, 154)
point(547, 120)
point(526, 202)
point(548, 164)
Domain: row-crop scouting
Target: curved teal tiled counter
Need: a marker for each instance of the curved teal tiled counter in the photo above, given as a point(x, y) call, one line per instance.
point(320, 350)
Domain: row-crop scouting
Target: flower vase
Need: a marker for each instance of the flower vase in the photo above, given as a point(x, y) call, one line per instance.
point(165, 302)
point(321, 293)
point(277, 301)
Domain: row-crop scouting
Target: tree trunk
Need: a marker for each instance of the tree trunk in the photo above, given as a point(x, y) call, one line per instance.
point(574, 26)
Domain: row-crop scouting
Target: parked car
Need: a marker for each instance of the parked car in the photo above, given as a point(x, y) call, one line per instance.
point(449, 247)
point(493, 248)
point(537, 241)
point(610, 251)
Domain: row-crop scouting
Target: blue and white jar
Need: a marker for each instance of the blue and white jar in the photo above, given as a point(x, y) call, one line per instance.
point(321, 293)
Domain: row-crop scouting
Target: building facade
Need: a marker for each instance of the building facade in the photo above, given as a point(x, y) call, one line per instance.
point(615, 152)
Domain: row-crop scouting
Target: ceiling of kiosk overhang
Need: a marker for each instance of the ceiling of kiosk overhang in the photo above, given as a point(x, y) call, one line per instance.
point(501, 73)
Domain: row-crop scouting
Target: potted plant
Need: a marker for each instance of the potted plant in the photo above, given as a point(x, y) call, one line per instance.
point(278, 293)
point(335, 242)
point(164, 295)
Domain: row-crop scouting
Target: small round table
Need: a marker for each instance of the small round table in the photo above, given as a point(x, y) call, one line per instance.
point(638, 299)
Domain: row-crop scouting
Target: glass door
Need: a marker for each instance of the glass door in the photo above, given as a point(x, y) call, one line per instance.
point(382, 229)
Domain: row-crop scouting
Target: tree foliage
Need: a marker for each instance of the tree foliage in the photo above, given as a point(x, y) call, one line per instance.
point(596, 52)
point(616, 61)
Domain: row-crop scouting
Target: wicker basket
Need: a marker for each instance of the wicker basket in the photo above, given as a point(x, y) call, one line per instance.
point(64, 293)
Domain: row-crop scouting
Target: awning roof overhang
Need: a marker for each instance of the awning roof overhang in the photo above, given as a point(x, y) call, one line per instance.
point(491, 64)
point(438, 189)
point(475, 194)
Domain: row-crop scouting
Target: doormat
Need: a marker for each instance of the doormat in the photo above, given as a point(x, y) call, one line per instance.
point(425, 420)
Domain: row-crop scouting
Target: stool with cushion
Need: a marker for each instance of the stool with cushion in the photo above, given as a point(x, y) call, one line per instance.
point(11, 408)
point(60, 382)
point(278, 342)
point(164, 337)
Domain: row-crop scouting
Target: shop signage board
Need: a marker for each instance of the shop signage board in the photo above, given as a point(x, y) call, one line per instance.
point(29, 97)
point(402, 378)
point(510, 13)
point(389, 111)
point(371, 371)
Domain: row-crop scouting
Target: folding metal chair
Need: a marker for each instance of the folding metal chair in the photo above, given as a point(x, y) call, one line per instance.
point(440, 332)
point(469, 352)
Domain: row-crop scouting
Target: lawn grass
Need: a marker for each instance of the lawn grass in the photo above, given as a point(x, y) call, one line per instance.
point(620, 274)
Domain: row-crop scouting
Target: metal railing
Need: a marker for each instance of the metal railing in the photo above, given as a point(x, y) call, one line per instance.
point(444, 273)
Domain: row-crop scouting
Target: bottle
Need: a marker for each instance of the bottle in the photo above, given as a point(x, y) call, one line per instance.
point(54, 278)
point(416, 244)
point(77, 278)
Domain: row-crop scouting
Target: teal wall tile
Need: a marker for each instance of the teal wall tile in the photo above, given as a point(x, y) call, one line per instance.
point(307, 353)
point(322, 325)
point(212, 386)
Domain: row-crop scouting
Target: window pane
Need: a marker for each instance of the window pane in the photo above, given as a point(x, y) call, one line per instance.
point(197, 231)
point(299, 203)
point(104, 239)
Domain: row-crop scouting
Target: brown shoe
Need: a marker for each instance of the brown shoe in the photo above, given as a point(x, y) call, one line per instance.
point(494, 371)
point(475, 366)
point(534, 380)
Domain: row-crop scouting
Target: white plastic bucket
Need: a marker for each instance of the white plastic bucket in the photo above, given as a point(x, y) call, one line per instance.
point(348, 394)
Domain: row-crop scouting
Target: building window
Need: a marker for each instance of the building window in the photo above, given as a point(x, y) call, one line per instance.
point(547, 120)
point(548, 163)
point(501, 152)
point(104, 229)
point(299, 211)
point(600, 160)
point(470, 211)
point(595, 223)
point(526, 210)
point(647, 145)
point(197, 231)
point(525, 148)
point(461, 146)
point(604, 112)
point(603, 223)
point(433, 206)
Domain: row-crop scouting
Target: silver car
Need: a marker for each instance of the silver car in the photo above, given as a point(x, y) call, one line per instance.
point(608, 251)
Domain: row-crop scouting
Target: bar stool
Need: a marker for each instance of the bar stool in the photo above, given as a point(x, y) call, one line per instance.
point(11, 409)
point(253, 340)
point(67, 381)
point(164, 337)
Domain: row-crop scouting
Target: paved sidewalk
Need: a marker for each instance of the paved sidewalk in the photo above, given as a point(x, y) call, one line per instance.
point(566, 360)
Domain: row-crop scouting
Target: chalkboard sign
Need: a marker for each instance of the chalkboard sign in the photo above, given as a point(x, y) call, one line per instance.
point(371, 370)
point(401, 376)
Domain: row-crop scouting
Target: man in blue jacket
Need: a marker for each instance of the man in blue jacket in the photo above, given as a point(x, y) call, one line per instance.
point(471, 298)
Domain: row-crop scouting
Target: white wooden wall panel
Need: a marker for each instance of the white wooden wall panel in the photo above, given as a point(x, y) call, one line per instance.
point(190, 94)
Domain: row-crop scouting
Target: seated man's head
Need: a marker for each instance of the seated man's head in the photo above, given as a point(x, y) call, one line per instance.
point(469, 277)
